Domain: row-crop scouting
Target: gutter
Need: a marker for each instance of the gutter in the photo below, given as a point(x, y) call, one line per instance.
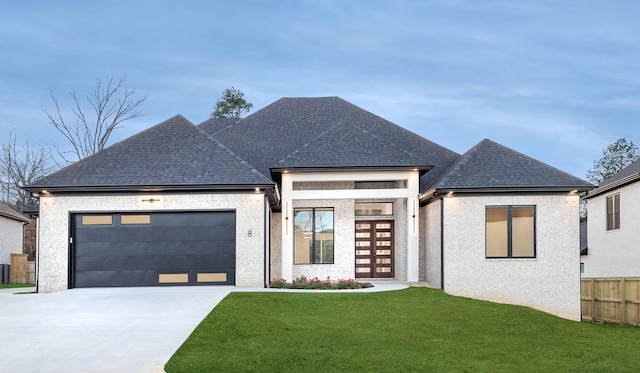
point(616, 184)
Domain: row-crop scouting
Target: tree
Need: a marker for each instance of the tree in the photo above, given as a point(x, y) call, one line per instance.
point(615, 157)
point(231, 104)
point(106, 107)
point(20, 166)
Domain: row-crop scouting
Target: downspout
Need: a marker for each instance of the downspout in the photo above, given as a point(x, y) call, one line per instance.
point(267, 248)
point(441, 243)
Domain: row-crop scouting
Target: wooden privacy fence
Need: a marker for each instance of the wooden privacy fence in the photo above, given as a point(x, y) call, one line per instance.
point(22, 271)
point(615, 300)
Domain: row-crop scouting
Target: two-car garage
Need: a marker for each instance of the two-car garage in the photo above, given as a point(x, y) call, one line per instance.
point(152, 248)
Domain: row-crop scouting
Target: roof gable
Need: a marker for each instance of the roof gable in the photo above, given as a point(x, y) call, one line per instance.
point(489, 165)
point(172, 154)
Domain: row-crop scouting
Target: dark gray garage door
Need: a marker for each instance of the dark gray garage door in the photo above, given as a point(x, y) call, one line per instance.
point(159, 248)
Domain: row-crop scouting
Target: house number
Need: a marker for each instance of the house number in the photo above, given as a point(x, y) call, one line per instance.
point(250, 233)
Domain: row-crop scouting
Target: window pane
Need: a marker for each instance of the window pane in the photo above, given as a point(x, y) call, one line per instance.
point(522, 227)
point(97, 219)
point(303, 230)
point(324, 235)
point(373, 208)
point(313, 236)
point(496, 232)
point(616, 211)
point(613, 212)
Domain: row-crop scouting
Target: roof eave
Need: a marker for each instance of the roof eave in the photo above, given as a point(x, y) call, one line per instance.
point(435, 193)
point(611, 186)
point(146, 188)
point(421, 168)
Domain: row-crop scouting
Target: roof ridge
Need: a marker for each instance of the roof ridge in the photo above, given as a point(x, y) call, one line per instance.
point(242, 161)
point(324, 133)
point(456, 165)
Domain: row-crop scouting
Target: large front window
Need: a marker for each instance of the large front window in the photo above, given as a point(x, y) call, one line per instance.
point(313, 239)
point(613, 212)
point(510, 232)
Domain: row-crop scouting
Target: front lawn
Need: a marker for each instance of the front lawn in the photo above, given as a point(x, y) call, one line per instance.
point(7, 286)
point(413, 330)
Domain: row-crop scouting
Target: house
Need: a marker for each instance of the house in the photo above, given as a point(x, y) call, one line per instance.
point(11, 232)
point(312, 187)
point(613, 226)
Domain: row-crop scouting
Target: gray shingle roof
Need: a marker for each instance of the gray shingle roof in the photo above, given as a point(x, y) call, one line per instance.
point(627, 175)
point(632, 169)
point(214, 125)
point(173, 154)
point(491, 165)
point(10, 213)
point(328, 132)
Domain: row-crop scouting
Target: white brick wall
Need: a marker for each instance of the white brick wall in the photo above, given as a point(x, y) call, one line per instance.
point(54, 229)
point(11, 239)
point(343, 266)
point(550, 282)
point(431, 238)
point(614, 253)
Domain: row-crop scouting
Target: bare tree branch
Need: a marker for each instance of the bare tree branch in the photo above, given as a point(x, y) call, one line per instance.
point(20, 166)
point(107, 107)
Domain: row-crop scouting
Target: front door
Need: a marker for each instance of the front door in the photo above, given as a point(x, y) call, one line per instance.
point(374, 249)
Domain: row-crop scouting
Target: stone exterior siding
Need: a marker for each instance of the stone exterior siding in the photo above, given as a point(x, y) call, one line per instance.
point(550, 282)
point(54, 229)
point(614, 253)
point(11, 239)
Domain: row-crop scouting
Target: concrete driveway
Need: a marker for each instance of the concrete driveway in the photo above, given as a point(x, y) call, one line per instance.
point(100, 330)
point(107, 329)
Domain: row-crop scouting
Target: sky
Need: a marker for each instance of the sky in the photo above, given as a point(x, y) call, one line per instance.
point(555, 80)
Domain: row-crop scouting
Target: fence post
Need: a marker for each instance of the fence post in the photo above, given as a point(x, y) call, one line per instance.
point(623, 301)
point(593, 300)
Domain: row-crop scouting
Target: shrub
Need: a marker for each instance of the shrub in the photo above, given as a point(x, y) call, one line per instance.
point(318, 284)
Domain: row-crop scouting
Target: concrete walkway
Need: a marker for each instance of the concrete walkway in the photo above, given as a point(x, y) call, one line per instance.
point(106, 329)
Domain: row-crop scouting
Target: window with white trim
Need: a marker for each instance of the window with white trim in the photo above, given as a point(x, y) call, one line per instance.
point(613, 212)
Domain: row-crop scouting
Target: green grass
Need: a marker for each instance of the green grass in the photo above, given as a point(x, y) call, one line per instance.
point(413, 330)
point(7, 286)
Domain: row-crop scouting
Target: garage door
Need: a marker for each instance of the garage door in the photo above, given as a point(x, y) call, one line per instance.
point(147, 249)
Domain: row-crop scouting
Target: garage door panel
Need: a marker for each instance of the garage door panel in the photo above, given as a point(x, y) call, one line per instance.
point(151, 233)
point(153, 248)
point(157, 262)
point(136, 254)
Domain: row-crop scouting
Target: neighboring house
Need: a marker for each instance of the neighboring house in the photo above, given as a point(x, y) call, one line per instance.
point(614, 226)
point(11, 232)
point(312, 187)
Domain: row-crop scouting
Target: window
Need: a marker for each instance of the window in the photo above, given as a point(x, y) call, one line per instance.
point(510, 232)
point(613, 212)
point(313, 239)
point(97, 219)
point(373, 208)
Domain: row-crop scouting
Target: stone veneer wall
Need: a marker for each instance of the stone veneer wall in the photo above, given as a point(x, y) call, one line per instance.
point(550, 282)
point(54, 229)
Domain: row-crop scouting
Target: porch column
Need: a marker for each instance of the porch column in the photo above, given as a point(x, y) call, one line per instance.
point(413, 228)
point(287, 228)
